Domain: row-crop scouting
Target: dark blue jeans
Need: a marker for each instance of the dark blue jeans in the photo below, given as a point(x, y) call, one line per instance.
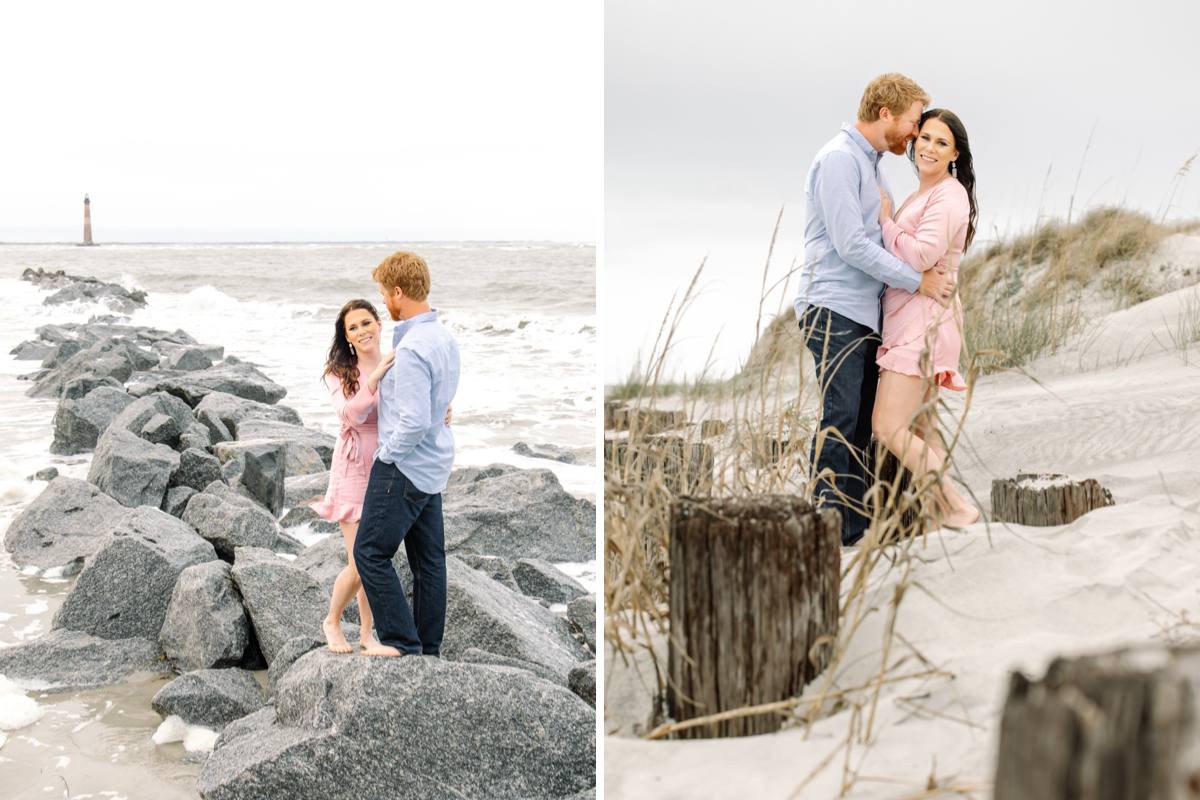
point(395, 511)
point(847, 377)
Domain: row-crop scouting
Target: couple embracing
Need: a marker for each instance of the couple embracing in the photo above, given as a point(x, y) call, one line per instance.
point(882, 356)
point(391, 462)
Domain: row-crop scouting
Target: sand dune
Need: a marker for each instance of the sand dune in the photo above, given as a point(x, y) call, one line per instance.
point(1121, 403)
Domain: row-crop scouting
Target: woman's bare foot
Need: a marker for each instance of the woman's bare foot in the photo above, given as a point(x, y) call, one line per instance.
point(367, 644)
point(961, 517)
point(333, 635)
point(381, 650)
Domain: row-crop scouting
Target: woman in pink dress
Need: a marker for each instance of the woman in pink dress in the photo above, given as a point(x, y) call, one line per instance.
point(352, 374)
point(922, 338)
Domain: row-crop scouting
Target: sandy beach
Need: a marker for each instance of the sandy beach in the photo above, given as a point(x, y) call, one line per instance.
point(1119, 404)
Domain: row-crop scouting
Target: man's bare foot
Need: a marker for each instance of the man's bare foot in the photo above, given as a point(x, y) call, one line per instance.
point(381, 650)
point(333, 635)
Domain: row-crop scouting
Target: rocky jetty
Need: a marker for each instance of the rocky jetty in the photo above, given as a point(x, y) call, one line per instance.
point(184, 568)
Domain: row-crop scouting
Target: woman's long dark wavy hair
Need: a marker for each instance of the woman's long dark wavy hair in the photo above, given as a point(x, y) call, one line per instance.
point(964, 165)
point(342, 362)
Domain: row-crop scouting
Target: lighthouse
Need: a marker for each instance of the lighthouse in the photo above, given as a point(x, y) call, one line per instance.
point(87, 221)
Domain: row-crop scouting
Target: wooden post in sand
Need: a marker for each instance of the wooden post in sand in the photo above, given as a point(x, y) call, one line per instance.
point(754, 586)
point(1103, 727)
point(1046, 499)
point(683, 467)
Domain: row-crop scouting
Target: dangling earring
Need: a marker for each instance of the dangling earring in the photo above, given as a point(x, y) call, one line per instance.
point(953, 169)
point(351, 348)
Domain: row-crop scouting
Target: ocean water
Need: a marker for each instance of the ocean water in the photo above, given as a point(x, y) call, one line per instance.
point(524, 317)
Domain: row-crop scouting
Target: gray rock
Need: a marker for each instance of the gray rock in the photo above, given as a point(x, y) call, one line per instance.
point(581, 613)
point(68, 660)
point(484, 614)
point(61, 352)
point(241, 380)
point(195, 435)
point(187, 359)
point(286, 543)
point(197, 469)
point(217, 430)
point(288, 654)
point(300, 459)
point(211, 698)
point(46, 474)
point(303, 515)
point(282, 601)
point(157, 417)
point(323, 561)
point(205, 624)
point(82, 387)
point(229, 410)
point(263, 471)
point(89, 363)
point(131, 470)
point(260, 722)
point(125, 587)
point(582, 681)
point(473, 655)
point(300, 489)
point(176, 499)
point(512, 735)
point(254, 428)
point(542, 579)
point(63, 525)
point(517, 513)
point(31, 351)
point(79, 423)
point(548, 451)
point(91, 290)
point(229, 520)
point(495, 567)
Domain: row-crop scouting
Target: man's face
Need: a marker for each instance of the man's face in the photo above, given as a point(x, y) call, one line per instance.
point(903, 128)
point(391, 299)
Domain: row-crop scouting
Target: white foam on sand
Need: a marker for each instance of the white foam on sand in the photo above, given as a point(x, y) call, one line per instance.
point(582, 571)
point(16, 710)
point(194, 737)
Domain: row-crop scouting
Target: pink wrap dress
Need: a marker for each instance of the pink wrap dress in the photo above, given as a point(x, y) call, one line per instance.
point(929, 230)
point(353, 453)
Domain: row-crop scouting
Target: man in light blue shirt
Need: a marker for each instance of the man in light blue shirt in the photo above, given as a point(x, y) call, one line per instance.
point(845, 272)
point(403, 502)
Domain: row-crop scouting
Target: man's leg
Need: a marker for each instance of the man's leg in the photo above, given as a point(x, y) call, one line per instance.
point(387, 516)
point(841, 349)
point(862, 466)
point(426, 548)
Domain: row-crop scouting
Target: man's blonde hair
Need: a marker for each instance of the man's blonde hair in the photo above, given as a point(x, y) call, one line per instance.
point(892, 91)
point(406, 270)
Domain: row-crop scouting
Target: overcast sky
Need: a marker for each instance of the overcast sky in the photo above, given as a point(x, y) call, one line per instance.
point(301, 121)
point(714, 111)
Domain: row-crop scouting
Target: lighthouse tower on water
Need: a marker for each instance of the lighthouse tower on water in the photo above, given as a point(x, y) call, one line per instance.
point(87, 221)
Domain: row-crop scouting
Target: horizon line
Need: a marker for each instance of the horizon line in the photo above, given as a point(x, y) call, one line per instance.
point(317, 241)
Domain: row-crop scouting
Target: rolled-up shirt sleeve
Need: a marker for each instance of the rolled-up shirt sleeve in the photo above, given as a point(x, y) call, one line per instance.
point(837, 194)
point(411, 380)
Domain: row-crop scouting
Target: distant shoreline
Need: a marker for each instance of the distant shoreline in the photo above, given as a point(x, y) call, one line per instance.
point(434, 242)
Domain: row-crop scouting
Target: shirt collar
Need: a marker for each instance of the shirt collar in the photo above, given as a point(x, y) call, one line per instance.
point(856, 136)
point(404, 326)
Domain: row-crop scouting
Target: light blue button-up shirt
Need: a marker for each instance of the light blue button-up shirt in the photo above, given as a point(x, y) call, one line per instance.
point(845, 264)
point(413, 397)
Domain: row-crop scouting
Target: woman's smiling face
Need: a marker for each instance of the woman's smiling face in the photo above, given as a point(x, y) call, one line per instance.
point(362, 330)
point(934, 148)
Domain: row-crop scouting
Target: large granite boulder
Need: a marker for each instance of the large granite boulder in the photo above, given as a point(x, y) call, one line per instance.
point(282, 601)
point(542, 579)
point(31, 351)
point(90, 363)
point(517, 513)
point(197, 469)
point(78, 423)
point(258, 465)
point(205, 624)
point(342, 727)
point(66, 660)
point(229, 519)
point(495, 567)
point(291, 434)
point(230, 409)
point(91, 290)
point(158, 417)
point(241, 380)
point(176, 499)
point(484, 614)
point(63, 525)
point(131, 470)
point(582, 681)
point(125, 587)
point(187, 359)
point(211, 698)
point(551, 452)
point(299, 489)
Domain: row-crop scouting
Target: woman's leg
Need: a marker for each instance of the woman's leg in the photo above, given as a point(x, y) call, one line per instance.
point(345, 587)
point(897, 413)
